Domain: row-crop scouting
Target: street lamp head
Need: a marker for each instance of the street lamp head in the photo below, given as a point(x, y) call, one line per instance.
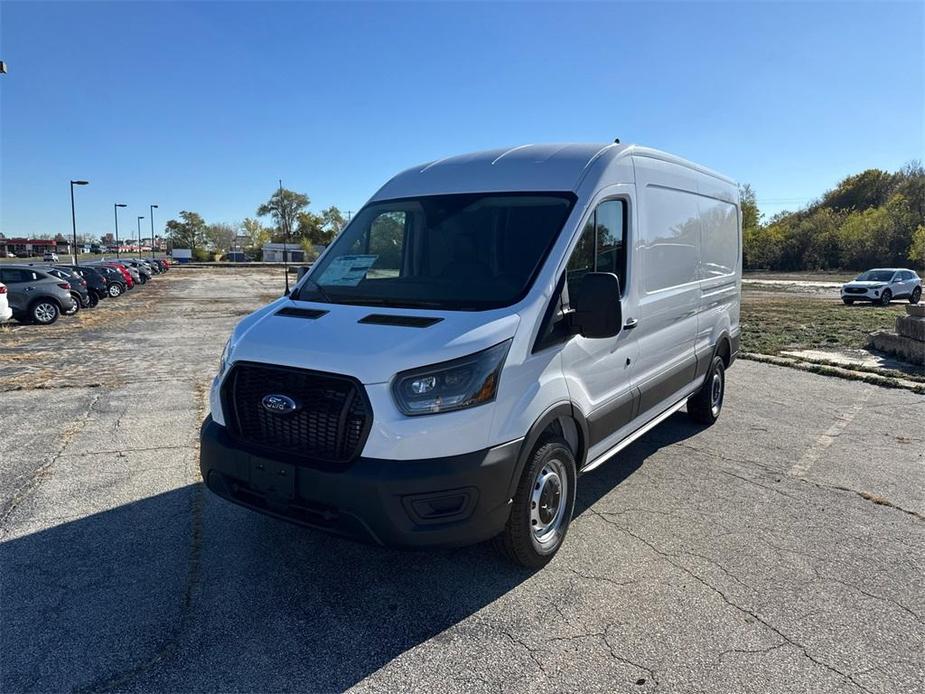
point(142, 217)
point(121, 204)
point(79, 183)
point(154, 206)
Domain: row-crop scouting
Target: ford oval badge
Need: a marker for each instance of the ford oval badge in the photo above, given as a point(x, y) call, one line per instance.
point(279, 404)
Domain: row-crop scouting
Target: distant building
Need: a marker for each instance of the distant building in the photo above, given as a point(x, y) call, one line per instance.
point(28, 248)
point(273, 252)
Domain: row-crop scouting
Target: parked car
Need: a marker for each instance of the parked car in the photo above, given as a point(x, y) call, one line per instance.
point(5, 311)
point(132, 271)
point(882, 285)
point(97, 286)
point(116, 283)
point(448, 385)
point(35, 295)
point(130, 275)
point(159, 263)
point(78, 287)
point(143, 269)
point(50, 257)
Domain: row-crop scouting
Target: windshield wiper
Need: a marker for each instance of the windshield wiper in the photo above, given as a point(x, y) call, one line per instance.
point(318, 289)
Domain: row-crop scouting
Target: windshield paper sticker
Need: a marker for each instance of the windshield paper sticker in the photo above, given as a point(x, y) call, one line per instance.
point(347, 271)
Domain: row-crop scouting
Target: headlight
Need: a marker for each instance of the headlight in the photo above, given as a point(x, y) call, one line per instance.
point(226, 355)
point(452, 385)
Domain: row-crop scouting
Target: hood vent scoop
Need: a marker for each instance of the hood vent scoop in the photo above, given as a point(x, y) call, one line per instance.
point(402, 321)
point(296, 312)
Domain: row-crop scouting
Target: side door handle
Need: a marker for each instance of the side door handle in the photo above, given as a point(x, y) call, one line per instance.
point(630, 323)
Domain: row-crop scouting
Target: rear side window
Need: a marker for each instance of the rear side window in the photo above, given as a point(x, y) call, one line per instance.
point(720, 236)
point(670, 239)
point(601, 248)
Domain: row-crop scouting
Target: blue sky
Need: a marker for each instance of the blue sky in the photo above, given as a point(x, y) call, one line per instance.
point(203, 106)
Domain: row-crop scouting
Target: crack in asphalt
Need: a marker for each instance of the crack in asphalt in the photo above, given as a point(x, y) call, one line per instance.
point(171, 642)
point(667, 557)
point(39, 473)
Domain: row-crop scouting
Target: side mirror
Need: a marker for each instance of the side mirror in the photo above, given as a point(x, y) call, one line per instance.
point(598, 310)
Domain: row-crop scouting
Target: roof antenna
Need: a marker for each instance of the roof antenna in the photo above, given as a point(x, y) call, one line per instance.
point(286, 242)
point(616, 140)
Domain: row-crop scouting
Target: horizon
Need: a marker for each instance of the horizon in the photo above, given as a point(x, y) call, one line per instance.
point(203, 107)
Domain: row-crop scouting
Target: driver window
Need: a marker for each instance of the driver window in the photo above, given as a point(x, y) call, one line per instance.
point(601, 248)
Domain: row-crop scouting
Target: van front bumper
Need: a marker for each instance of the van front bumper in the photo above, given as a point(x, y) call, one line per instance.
point(452, 501)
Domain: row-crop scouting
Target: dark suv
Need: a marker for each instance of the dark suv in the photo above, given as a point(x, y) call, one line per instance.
point(97, 286)
point(78, 286)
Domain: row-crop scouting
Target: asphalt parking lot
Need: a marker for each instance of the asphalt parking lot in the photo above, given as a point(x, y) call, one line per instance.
point(780, 550)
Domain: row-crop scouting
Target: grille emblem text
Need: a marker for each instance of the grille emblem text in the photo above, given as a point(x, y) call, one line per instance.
point(279, 404)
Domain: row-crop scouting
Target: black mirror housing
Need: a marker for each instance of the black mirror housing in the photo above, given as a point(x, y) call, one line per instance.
point(598, 309)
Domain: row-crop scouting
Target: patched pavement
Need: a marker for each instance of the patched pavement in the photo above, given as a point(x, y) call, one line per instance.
point(780, 550)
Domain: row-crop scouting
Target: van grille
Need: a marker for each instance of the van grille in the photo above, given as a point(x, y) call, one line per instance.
point(330, 424)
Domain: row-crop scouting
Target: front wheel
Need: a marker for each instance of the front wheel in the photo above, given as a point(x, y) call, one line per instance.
point(848, 302)
point(115, 289)
point(72, 311)
point(705, 405)
point(542, 507)
point(886, 297)
point(44, 312)
point(93, 300)
point(916, 295)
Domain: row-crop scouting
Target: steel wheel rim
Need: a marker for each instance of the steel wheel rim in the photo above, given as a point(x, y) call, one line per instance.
point(548, 500)
point(44, 313)
point(716, 393)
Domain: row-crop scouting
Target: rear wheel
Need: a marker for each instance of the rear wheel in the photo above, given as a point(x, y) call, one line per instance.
point(915, 296)
point(44, 312)
point(705, 405)
point(115, 289)
point(94, 299)
point(886, 297)
point(542, 506)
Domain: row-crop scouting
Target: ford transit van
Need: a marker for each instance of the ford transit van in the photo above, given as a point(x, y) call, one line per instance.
point(485, 330)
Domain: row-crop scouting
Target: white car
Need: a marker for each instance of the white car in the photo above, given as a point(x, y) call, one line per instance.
point(485, 329)
point(882, 285)
point(50, 257)
point(5, 311)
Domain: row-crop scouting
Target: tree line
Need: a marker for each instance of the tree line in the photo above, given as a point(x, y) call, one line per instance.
point(293, 223)
point(874, 218)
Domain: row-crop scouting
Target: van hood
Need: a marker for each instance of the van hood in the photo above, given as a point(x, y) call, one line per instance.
point(337, 342)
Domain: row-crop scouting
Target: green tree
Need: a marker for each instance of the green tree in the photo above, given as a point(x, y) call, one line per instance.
point(284, 206)
point(917, 247)
point(188, 231)
point(257, 234)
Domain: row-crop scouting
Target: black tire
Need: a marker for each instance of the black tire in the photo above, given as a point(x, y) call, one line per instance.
point(915, 296)
point(44, 311)
point(73, 311)
point(93, 300)
point(706, 404)
point(848, 302)
point(143, 279)
point(886, 297)
point(115, 289)
point(523, 540)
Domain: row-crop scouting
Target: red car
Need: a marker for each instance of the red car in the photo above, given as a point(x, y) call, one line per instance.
point(129, 282)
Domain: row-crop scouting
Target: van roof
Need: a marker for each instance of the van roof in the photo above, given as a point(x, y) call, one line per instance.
point(553, 167)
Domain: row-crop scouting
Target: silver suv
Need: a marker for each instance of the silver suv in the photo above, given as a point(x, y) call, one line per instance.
point(35, 295)
point(882, 285)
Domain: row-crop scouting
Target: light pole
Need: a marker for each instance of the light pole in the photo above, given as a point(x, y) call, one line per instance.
point(74, 215)
point(139, 236)
point(152, 208)
point(115, 212)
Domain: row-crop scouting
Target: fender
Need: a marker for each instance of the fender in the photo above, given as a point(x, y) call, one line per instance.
point(565, 410)
point(706, 358)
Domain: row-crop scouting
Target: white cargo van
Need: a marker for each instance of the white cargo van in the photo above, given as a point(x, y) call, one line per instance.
point(486, 328)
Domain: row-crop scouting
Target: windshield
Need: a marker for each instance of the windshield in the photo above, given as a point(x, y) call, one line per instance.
point(455, 252)
point(875, 276)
